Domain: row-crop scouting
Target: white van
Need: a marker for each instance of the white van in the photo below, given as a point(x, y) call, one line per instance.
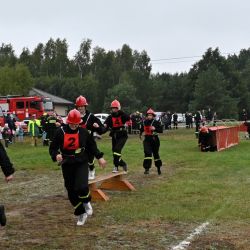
point(181, 117)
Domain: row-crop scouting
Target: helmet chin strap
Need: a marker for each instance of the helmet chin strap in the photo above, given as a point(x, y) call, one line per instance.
point(73, 127)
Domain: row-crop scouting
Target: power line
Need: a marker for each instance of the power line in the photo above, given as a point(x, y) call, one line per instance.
point(184, 57)
point(174, 58)
point(174, 62)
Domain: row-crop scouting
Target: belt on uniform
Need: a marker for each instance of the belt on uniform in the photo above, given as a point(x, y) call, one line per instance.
point(119, 129)
point(77, 151)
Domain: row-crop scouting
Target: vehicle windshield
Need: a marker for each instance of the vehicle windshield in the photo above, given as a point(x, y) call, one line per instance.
point(47, 105)
point(35, 105)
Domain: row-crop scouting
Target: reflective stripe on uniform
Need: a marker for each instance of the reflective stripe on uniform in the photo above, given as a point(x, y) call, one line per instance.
point(52, 121)
point(148, 158)
point(91, 163)
point(82, 197)
point(77, 205)
point(117, 154)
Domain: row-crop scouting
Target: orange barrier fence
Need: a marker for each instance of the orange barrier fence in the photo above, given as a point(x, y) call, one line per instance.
point(224, 137)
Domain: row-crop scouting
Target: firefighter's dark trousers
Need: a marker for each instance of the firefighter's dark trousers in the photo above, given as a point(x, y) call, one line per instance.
point(151, 145)
point(205, 141)
point(197, 126)
point(118, 142)
point(91, 162)
point(76, 182)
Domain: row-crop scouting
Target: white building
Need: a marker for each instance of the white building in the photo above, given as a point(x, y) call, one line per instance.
point(61, 105)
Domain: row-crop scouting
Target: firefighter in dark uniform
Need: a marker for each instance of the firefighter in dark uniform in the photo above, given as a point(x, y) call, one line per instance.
point(116, 123)
point(92, 124)
point(52, 125)
point(247, 124)
point(8, 170)
point(151, 144)
point(204, 139)
point(44, 122)
point(70, 148)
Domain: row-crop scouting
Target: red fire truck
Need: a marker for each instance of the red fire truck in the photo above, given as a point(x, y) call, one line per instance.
point(25, 106)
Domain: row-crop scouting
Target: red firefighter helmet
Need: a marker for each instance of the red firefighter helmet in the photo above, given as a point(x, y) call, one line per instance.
point(115, 104)
point(150, 112)
point(204, 129)
point(74, 117)
point(81, 101)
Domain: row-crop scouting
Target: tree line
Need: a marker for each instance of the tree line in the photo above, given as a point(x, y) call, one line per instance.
point(216, 82)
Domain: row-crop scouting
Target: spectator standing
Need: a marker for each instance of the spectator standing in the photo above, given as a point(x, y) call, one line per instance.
point(169, 120)
point(1, 135)
point(175, 120)
point(20, 133)
point(197, 118)
point(243, 115)
point(6, 133)
point(11, 124)
point(33, 129)
point(209, 116)
point(44, 123)
point(53, 123)
point(165, 120)
point(215, 118)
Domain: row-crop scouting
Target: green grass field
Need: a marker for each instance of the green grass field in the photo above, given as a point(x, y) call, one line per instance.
point(194, 188)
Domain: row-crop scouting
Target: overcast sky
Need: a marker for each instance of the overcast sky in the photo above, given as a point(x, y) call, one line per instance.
point(164, 28)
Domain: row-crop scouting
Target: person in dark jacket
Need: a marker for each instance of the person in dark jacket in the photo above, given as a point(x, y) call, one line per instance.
point(116, 123)
point(247, 124)
point(151, 144)
point(205, 140)
point(53, 123)
point(11, 124)
point(136, 121)
point(209, 115)
point(175, 120)
point(243, 115)
point(164, 120)
point(169, 120)
point(197, 119)
point(92, 124)
point(44, 123)
point(6, 133)
point(8, 171)
point(70, 148)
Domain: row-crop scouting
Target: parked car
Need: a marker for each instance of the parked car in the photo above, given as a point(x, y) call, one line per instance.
point(102, 116)
point(158, 115)
point(181, 117)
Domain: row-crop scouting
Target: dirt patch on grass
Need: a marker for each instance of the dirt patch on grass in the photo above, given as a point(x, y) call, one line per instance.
point(40, 217)
point(209, 244)
point(224, 235)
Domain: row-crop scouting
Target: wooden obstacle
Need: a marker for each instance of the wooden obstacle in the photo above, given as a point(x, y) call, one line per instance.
point(111, 181)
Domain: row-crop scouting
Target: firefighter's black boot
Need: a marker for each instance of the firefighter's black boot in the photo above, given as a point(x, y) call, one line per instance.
point(159, 170)
point(2, 216)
